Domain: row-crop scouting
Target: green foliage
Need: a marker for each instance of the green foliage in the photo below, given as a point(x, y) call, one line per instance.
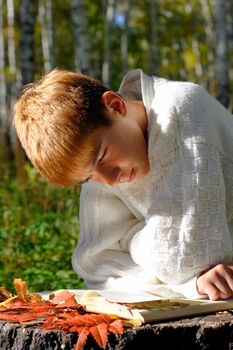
point(182, 36)
point(38, 231)
point(38, 222)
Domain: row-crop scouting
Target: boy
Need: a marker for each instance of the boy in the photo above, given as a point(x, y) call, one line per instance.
point(156, 162)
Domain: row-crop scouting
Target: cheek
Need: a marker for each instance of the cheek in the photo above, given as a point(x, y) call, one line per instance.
point(125, 151)
point(121, 156)
point(137, 149)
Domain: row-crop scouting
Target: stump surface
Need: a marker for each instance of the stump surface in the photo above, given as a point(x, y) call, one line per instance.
point(214, 331)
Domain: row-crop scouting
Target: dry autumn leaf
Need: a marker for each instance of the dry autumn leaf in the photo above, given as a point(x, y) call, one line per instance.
point(21, 289)
point(4, 294)
point(62, 311)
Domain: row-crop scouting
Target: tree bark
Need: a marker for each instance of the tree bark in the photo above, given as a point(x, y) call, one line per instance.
point(27, 41)
point(13, 76)
point(109, 9)
point(210, 35)
point(27, 68)
point(82, 37)
point(11, 35)
point(154, 48)
point(3, 91)
point(198, 66)
point(229, 24)
point(46, 22)
point(222, 59)
point(125, 37)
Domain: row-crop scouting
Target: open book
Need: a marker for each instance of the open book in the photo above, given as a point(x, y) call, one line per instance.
point(144, 307)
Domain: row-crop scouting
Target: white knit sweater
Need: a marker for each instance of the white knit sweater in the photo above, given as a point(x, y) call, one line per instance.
point(159, 233)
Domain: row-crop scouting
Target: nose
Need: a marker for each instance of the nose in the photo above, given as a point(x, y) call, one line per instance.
point(107, 175)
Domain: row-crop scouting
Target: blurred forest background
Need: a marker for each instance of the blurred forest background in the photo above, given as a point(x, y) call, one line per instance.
point(188, 40)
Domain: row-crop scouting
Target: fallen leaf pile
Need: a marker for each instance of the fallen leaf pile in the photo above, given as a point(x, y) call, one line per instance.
point(62, 311)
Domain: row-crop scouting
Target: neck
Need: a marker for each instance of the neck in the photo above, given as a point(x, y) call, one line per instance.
point(136, 111)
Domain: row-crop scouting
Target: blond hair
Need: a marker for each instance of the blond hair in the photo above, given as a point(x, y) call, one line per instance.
point(56, 119)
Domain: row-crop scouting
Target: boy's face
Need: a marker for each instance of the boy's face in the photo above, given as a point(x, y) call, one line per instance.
point(121, 153)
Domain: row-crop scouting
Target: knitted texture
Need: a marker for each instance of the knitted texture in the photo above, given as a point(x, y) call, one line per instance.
point(164, 230)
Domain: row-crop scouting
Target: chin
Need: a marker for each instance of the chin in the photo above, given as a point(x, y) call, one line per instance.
point(142, 175)
point(142, 172)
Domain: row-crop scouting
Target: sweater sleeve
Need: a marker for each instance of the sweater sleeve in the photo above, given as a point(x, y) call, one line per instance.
point(101, 257)
point(186, 230)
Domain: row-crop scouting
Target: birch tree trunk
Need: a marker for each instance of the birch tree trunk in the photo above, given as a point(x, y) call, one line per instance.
point(46, 22)
point(109, 9)
point(82, 37)
point(198, 66)
point(13, 72)
point(222, 62)
point(125, 37)
point(13, 79)
point(210, 34)
point(180, 47)
point(27, 68)
point(10, 34)
point(229, 24)
point(26, 45)
point(154, 52)
point(3, 103)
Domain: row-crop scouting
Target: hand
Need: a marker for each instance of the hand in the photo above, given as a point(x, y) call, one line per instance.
point(217, 282)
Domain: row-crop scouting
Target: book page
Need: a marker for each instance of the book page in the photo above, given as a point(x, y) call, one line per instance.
point(114, 295)
point(143, 306)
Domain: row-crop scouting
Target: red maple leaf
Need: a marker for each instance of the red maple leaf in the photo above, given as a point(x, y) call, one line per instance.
point(61, 312)
point(98, 325)
point(82, 338)
point(116, 327)
point(61, 297)
point(100, 334)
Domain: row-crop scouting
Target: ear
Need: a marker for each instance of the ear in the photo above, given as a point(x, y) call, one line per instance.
point(114, 102)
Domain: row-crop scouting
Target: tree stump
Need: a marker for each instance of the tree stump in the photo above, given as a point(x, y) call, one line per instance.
point(212, 332)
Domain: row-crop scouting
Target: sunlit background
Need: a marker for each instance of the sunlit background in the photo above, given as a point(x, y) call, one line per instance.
point(181, 40)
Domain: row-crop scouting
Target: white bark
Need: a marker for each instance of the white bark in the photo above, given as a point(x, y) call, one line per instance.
point(14, 74)
point(82, 37)
point(210, 35)
point(45, 18)
point(209, 28)
point(198, 67)
point(10, 34)
point(109, 9)
point(229, 24)
point(3, 110)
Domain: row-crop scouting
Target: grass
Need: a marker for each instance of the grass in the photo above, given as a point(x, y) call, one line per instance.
point(39, 228)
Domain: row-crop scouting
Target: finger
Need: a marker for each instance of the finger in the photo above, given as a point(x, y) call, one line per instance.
point(223, 281)
point(217, 283)
point(212, 291)
point(217, 289)
point(222, 285)
point(229, 265)
point(223, 296)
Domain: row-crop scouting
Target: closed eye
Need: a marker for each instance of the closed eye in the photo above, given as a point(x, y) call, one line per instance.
point(103, 156)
